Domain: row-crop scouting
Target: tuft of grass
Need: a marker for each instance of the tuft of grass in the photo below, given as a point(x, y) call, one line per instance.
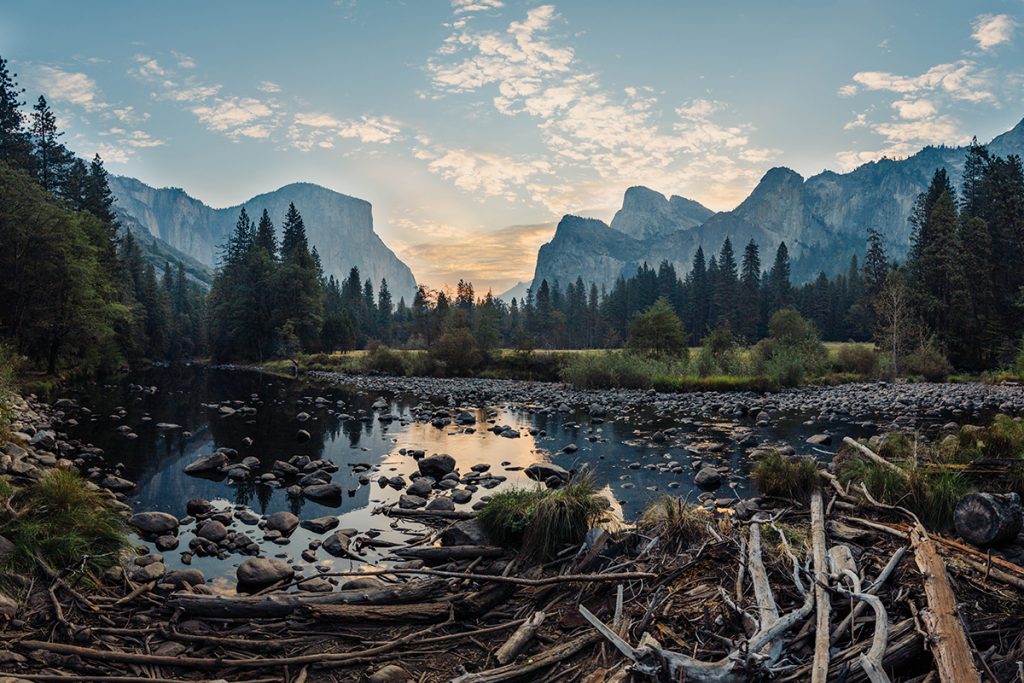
point(1004, 438)
point(677, 521)
point(543, 521)
point(785, 477)
point(62, 522)
point(507, 514)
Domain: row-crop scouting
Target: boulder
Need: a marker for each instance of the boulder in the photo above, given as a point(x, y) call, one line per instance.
point(407, 502)
point(256, 573)
point(179, 578)
point(441, 503)
point(207, 463)
point(337, 544)
point(708, 478)
point(820, 440)
point(465, 532)
point(322, 491)
point(437, 465)
point(319, 525)
point(540, 471)
point(150, 572)
point(282, 521)
point(212, 530)
point(157, 523)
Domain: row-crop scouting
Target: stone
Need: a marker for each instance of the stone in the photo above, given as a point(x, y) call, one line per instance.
point(212, 530)
point(316, 585)
point(198, 506)
point(157, 523)
point(465, 532)
point(282, 521)
point(322, 491)
point(437, 465)
point(392, 673)
point(421, 486)
point(117, 484)
point(442, 504)
point(150, 572)
point(6, 547)
point(302, 436)
point(8, 606)
point(319, 525)
point(259, 572)
point(207, 463)
point(167, 542)
point(337, 544)
point(362, 583)
point(820, 440)
point(407, 502)
point(540, 471)
point(708, 478)
point(179, 578)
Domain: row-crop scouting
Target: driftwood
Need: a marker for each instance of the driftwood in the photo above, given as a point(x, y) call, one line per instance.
point(536, 663)
point(282, 604)
point(985, 519)
point(417, 612)
point(426, 514)
point(519, 639)
point(883, 576)
point(819, 669)
point(449, 553)
point(875, 457)
point(950, 647)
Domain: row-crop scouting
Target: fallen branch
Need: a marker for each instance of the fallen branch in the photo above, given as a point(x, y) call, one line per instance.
point(536, 663)
point(519, 639)
point(823, 605)
point(875, 457)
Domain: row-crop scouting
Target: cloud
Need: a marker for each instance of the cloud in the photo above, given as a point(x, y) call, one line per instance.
point(236, 116)
point(72, 87)
point(991, 30)
point(466, 6)
point(184, 61)
point(962, 80)
point(315, 129)
point(268, 86)
point(483, 173)
point(914, 109)
point(598, 140)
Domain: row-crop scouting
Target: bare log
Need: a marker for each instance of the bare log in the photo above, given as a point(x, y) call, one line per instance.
point(419, 514)
point(282, 604)
point(883, 576)
point(950, 647)
point(875, 457)
point(985, 519)
point(871, 662)
point(418, 612)
point(519, 639)
point(535, 663)
point(448, 553)
point(819, 669)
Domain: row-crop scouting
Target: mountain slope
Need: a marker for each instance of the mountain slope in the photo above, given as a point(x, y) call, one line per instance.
point(339, 226)
point(823, 220)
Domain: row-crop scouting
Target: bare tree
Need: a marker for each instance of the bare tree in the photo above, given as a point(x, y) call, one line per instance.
point(895, 317)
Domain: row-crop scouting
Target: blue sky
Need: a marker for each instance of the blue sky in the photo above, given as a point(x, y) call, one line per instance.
point(473, 125)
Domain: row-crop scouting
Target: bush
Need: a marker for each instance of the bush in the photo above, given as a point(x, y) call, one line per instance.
point(456, 347)
point(928, 361)
point(381, 359)
point(784, 477)
point(862, 360)
point(677, 521)
point(64, 523)
point(719, 354)
point(542, 521)
point(612, 370)
point(658, 331)
point(792, 351)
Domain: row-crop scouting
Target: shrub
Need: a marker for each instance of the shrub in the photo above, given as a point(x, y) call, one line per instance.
point(719, 354)
point(792, 350)
point(786, 367)
point(658, 331)
point(381, 359)
point(612, 370)
point(677, 521)
point(65, 523)
point(456, 347)
point(784, 477)
point(862, 360)
point(542, 521)
point(928, 361)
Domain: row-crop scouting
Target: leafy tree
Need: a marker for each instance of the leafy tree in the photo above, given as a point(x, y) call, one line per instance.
point(658, 331)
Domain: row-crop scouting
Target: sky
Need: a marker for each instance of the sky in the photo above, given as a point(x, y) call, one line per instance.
point(472, 126)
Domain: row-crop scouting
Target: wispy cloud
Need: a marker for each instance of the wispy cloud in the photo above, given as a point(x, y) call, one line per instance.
point(592, 134)
point(991, 30)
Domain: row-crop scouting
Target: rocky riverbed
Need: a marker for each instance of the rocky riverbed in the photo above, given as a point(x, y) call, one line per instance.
point(294, 472)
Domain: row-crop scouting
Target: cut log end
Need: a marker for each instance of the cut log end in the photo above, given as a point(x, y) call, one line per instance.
point(986, 519)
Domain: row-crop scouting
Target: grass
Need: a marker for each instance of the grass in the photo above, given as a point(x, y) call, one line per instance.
point(785, 477)
point(64, 523)
point(543, 521)
point(676, 521)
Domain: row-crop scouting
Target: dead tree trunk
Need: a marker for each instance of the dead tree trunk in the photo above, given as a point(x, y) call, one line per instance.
point(985, 519)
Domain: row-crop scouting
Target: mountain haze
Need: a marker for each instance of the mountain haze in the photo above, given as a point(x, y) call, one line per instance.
point(339, 226)
point(822, 219)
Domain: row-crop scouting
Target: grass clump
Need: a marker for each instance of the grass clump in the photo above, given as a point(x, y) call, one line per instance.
point(60, 521)
point(543, 521)
point(858, 360)
point(677, 521)
point(784, 477)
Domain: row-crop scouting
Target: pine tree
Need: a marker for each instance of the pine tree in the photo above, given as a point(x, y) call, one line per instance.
point(265, 237)
point(15, 146)
point(780, 289)
point(293, 233)
point(727, 287)
point(50, 157)
point(748, 304)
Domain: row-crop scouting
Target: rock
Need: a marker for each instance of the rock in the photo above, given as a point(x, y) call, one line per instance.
point(302, 436)
point(150, 572)
point(421, 486)
point(169, 648)
point(212, 530)
point(407, 502)
point(392, 673)
point(441, 503)
point(708, 478)
point(117, 484)
point(461, 496)
point(179, 578)
point(44, 439)
point(437, 465)
point(316, 585)
point(540, 471)
point(207, 463)
point(465, 532)
point(319, 525)
point(282, 521)
point(256, 573)
point(157, 523)
point(362, 583)
point(198, 506)
point(167, 542)
point(322, 491)
point(820, 440)
point(337, 544)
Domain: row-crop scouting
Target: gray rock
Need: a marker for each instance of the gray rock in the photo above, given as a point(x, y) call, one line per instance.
point(319, 525)
point(282, 521)
point(465, 532)
point(179, 578)
point(337, 544)
point(407, 502)
point(259, 572)
point(540, 471)
point(154, 522)
point(392, 673)
point(322, 491)
point(207, 463)
point(441, 503)
point(820, 440)
point(437, 465)
point(212, 530)
point(150, 572)
point(708, 478)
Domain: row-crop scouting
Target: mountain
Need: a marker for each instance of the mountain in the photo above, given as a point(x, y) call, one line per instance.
point(159, 253)
point(339, 226)
point(517, 291)
point(822, 219)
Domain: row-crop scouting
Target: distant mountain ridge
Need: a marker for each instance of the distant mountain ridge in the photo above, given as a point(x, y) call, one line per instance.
point(822, 219)
point(339, 226)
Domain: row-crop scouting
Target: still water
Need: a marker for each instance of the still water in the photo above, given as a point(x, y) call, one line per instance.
point(174, 414)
